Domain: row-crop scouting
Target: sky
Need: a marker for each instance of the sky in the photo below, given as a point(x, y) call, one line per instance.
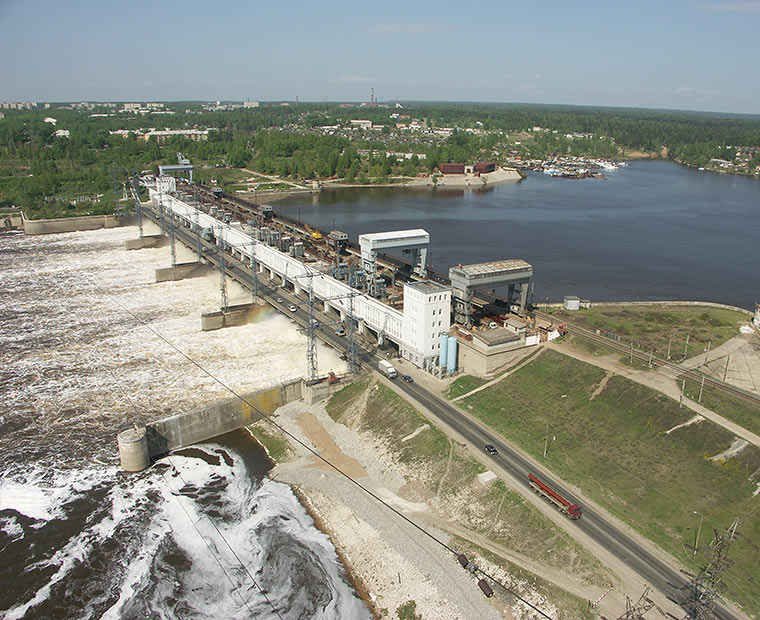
point(675, 54)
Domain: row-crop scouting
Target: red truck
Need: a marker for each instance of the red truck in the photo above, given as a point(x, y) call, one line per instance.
point(571, 510)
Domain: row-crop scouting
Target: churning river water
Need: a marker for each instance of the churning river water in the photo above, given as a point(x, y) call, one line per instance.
point(651, 231)
point(203, 533)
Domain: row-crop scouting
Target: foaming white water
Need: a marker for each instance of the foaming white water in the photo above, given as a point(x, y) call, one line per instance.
point(200, 538)
point(79, 354)
point(79, 365)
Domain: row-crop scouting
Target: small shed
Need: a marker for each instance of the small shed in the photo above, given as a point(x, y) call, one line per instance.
point(514, 325)
point(572, 302)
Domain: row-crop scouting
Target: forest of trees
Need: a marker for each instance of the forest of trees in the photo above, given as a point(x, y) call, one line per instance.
point(45, 175)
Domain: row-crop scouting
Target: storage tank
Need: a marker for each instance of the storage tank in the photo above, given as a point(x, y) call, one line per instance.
point(451, 358)
point(444, 348)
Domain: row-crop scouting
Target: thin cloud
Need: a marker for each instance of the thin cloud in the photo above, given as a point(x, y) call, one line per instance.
point(417, 29)
point(352, 79)
point(700, 92)
point(730, 7)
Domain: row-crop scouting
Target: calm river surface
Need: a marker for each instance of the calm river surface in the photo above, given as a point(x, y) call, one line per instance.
point(650, 231)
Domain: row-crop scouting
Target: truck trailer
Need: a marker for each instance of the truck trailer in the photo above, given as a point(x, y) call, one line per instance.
point(571, 510)
point(387, 369)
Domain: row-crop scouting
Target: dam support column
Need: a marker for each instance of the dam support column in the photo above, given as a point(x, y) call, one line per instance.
point(147, 241)
point(133, 449)
point(182, 271)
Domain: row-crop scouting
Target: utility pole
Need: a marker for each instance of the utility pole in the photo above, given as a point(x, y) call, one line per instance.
point(699, 400)
point(708, 351)
point(171, 239)
point(311, 345)
point(138, 206)
point(683, 387)
point(254, 272)
point(725, 372)
point(636, 611)
point(687, 346)
point(670, 340)
point(353, 357)
point(698, 532)
point(222, 270)
point(699, 596)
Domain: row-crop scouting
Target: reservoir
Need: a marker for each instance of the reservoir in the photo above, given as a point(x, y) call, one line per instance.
point(649, 231)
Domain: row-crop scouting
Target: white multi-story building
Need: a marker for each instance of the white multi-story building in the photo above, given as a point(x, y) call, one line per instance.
point(427, 315)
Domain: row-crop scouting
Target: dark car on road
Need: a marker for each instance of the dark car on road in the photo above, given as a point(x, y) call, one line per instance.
point(407, 378)
point(490, 449)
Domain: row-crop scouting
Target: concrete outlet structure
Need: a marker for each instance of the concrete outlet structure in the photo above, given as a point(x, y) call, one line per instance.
point(146, 241)
point(516, 274)
point(182, 271)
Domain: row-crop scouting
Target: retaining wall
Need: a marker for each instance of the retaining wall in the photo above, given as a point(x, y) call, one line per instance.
point(712, 304)
point(70, 224)
point(228, 415)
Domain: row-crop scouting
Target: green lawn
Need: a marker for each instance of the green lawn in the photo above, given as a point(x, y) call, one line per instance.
point(615, 449)
point(736, 409)
point(462, 385)
point(656, 327)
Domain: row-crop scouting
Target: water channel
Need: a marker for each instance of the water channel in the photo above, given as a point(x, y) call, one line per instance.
point(649, 231)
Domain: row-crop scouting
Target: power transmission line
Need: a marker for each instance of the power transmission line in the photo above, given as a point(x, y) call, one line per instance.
point(316, 454)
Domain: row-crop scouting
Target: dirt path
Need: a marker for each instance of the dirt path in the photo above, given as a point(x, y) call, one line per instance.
point(656, 381)
point(602, 384)
point(738, 360)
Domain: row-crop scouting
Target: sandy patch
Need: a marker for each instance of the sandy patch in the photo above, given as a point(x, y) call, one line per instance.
point(327, 448)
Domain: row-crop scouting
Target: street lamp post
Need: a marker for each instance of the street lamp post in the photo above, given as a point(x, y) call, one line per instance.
point(699, 530)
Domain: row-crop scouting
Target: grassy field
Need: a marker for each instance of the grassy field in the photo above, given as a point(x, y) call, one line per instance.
point(656, 327)
point(615, 448)
point(462, 385)
point(736, 409)
point(448, 472)
point(276, 444)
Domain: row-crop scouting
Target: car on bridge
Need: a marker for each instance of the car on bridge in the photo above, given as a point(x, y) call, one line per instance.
point(407, 378)
point(292, 308)
point(491, 449)
point(340, 332)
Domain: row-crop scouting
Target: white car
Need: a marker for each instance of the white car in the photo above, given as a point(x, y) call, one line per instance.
point(292, 308)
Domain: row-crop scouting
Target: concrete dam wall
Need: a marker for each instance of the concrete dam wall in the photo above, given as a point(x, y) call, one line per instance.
point(137, 447)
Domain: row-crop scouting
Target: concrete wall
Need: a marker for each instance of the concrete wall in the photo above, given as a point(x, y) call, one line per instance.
point(474, 360)
point(201, 425)
point(14, 217)
point(70, 224)
point(710, 304)
point(181, 271)
point(146, 241)
point(234, 316)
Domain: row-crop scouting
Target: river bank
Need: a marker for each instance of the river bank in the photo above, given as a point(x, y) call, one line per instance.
point(651, 231)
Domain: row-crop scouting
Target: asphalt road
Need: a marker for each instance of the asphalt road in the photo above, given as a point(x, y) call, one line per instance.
point(651, 568)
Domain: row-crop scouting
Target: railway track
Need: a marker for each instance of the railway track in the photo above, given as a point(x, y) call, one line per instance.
point(665, 366)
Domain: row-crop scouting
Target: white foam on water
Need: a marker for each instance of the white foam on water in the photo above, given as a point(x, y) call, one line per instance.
point(11, 528)
point(40, 494)
point(77, 368)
